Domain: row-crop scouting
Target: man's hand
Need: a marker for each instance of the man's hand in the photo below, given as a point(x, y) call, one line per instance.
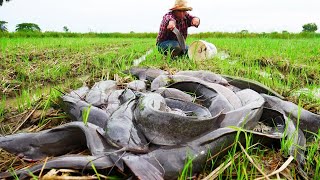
point(171, 25)
point(195, 22)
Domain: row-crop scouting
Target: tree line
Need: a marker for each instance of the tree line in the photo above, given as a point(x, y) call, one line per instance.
point(32, 27)
point(309, 27)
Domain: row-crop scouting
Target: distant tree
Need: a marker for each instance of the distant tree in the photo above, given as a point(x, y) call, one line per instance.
point(131, 32)
point(3, 27)
point(285, 32)
point(244, 31)
point(28, 27)
point(65, 29)
point(310, 27)
point(1, 2)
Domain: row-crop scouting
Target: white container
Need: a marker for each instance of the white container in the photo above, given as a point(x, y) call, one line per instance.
point(201, 50)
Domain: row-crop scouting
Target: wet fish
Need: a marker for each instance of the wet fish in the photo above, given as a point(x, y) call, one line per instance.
point(177, 129)
point(174, 94)
point(171, 161)
point(243, 83)
point(207, 76)
point(137, 85)
point(57, 141)
point(209, 97)
point(307, 121)
point(142, 168)
point(189, 108)
point(75, 108)
point(121, 131)
point(98, 94)
point(165, 80)
point(283, 125)
point(227, 93)
point(69, 161)
point(79, 93)
point(145, 73)
point(249, 114)
point(162, 127)
point(113, 102)
point(126, 95)
point(166, 162)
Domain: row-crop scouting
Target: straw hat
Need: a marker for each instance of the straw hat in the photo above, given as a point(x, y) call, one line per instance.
point(181, 5)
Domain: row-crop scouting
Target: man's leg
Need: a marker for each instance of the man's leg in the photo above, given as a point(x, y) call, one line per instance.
point(170, 46)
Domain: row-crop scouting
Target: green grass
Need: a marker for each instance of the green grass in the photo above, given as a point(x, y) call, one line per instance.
point(313, 156)
point(95, 170)
point(85, 115)
point(186, 172)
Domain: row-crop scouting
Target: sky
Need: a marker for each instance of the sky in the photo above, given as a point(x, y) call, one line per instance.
point(146, 15)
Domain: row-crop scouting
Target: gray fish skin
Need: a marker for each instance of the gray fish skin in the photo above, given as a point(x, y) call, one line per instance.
point(195, 109)
point(209, 97)
point(164, 128)
point(283, 125)
point(121, 131)
point(244, 83)
point(142, 168)
point(137, 85)
point(249, 114)
point(174, 94)
point(113, 102)
point(165, 80)
point(172, 160)
point(227, 93)
point(68, 161)
point(126, 95)
point(79, 93)
point(146, 73)
point(76, 107)
point(56, 141)
point(98, 94)
point(307, 121)
point(207, 76)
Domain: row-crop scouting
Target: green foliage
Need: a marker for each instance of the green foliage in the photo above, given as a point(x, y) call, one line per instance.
point(244, 31)
point(37, 34)
point(3, 27)
point(27, 27)
point(187, 169)
point(85, 115)
point(310, 27)
point(95, 170)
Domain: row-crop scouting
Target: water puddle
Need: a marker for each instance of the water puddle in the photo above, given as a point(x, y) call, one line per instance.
point(223, 55)
point(136, 62)
point(312, 93)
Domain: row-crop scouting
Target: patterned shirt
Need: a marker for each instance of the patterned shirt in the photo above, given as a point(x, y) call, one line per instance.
point(182, 25)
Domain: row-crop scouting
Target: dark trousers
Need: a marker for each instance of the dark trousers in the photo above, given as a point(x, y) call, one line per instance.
point(171, 46)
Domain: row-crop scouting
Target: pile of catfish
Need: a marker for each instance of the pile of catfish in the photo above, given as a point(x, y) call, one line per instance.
point(151, 127)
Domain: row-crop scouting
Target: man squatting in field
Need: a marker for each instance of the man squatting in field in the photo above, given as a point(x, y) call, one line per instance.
point(177, 17)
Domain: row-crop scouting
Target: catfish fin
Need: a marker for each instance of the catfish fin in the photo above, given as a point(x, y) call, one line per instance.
point(142, 168)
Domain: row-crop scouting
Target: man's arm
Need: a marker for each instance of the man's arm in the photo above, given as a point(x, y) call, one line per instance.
point(195, 22)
